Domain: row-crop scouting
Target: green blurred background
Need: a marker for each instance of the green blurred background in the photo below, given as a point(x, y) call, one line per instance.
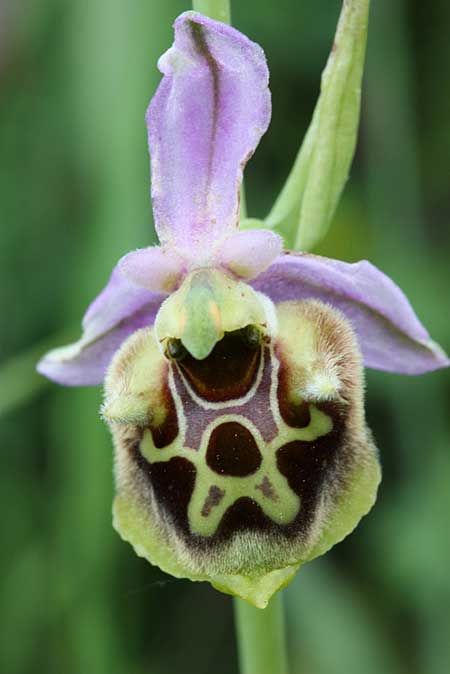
point(75, 79)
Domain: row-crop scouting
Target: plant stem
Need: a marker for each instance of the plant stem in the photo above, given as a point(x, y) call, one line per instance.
point(215, 9)
point(261, 637)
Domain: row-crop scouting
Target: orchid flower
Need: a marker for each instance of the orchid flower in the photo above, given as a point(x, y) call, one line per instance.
point(233, 368)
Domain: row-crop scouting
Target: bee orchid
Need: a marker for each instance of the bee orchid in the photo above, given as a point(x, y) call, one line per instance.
point(233, 369)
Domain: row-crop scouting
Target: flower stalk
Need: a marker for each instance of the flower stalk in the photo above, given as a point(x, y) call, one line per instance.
point(261, 637)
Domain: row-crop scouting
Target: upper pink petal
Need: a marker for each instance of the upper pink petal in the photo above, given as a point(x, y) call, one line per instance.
point(204, 122)
point(154, 268)
point(391, 336)
point(248, 253)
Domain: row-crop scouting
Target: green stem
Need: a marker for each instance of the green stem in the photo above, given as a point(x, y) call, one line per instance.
point(215, 9)
point(261, 637)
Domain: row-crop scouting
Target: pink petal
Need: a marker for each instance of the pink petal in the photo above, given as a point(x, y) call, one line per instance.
point(391, 336)
point(119, 310)
point(248, 253)
point(153, 268)
point(204, 122)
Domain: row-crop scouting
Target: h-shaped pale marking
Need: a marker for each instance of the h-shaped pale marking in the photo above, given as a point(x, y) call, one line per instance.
point(275, 497)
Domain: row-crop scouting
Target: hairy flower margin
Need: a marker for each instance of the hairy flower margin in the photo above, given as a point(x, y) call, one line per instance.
point(233, 369)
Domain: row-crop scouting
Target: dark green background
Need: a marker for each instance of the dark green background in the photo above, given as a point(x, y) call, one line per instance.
point(75, 79)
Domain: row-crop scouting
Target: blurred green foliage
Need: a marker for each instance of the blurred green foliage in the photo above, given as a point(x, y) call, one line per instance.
point(75, 79)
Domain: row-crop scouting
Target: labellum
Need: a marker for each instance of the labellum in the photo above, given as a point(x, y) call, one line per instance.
point(255, 457)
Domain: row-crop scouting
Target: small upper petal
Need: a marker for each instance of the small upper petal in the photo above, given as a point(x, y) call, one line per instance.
point(391, 336)
point(204, 122)
point(118, 311)
point(154, 268)
point(248, 253)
